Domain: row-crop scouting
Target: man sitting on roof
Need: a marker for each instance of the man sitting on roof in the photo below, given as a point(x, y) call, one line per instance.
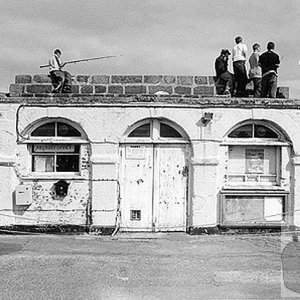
point(61, 80)
point(225, 79)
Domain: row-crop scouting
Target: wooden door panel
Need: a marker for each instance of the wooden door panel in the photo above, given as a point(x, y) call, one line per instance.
point(170, 187)
point(137, 175)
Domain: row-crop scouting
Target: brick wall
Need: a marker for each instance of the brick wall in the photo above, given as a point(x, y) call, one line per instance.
point(30, 85)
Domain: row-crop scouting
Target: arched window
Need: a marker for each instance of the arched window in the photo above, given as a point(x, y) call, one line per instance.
point(55, 148)
point(156, 130)
point(56, 129)
point(142, 131)
point(256, 182)
point(254, 155)
point(253, 131)
point(166, 131)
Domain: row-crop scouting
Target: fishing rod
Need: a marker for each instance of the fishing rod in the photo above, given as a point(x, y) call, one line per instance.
point(81, 60)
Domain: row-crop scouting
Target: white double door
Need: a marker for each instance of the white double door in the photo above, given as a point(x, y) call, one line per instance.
point(154, 187)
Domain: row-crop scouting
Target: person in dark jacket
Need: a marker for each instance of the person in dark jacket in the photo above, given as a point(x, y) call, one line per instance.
point(269, 62)
point(224, 77)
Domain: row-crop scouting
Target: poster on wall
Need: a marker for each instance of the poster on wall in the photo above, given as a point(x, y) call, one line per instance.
point(135, 152)
point(254, 161)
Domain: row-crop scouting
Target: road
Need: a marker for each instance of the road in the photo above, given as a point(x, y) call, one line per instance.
point(140, 266)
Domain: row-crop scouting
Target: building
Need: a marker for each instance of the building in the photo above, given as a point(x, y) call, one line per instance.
point(146, 153)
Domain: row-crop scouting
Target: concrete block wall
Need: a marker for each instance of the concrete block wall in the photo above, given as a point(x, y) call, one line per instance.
point(32, 85)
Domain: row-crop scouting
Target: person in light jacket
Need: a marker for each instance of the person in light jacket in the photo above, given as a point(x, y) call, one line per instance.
point(255, 70)
point(239, 54)
point(61, 80)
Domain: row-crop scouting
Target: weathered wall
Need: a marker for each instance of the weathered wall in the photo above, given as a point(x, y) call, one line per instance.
point(27, 85)
point(201, 86)
point(105, 125)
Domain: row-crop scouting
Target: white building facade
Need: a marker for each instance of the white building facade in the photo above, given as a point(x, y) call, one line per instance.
point(140, 163)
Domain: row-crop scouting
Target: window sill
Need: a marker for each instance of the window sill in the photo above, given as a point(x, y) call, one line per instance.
point(253, 189)
point(55, 141)
point(254, 142)
point(53, 176)
point(237, 224)
point(158, 141)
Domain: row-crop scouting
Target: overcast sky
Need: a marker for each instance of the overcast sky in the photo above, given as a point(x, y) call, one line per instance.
point(168, 37)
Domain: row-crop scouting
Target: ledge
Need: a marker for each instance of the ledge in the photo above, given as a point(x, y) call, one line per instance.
point(57, 229)
point(171, 101)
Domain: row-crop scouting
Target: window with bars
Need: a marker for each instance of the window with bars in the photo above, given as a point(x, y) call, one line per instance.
point(253, 165)
point(253, 158)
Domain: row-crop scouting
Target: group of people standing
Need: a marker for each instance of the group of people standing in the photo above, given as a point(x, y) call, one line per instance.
point(262, 72)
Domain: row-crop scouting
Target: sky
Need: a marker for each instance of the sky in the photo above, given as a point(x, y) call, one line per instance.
point(154, 37)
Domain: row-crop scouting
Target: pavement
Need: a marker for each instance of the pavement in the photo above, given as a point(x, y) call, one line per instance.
point(148, 266)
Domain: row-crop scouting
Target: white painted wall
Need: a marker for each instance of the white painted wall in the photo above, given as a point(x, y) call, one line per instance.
point(105, 127)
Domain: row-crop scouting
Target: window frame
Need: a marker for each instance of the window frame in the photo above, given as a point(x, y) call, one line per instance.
point(253, 193)
point(257, 182)
point(155, 136)
point(55, 155)
point(248, 142)
point(77, 141)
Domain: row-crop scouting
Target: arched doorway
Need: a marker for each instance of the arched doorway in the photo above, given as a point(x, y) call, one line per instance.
point(154, 177)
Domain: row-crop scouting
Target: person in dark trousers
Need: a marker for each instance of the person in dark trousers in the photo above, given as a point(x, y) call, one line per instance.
point(61, 80)
point(239, 54)
point(269, 62)
point(255, 70)
point(224, 77)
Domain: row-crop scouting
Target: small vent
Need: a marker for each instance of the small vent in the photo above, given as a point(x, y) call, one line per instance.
point(135, 215)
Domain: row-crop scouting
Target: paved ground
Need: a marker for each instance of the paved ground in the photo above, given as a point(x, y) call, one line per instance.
point(140, 266)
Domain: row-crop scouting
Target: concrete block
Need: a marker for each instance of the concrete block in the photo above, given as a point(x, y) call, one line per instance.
point(87, 89)
point(169, 79)
point(135, 89)
point(212, 79)
point(38, 88)
point(100, 79)
point(115, 89)
point(82, 78)
point(204, 90)
point(41, 78)
point(183, 90)
point(155, 88)
point(201, 80)
point(75, 89)
point(152, 79)
point(100, 89)
point(16, 89)
point(127, 79)
point(23, 79)
point(185, 80)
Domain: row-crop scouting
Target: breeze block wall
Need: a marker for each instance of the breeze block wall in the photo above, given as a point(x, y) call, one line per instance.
point(32, 85)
